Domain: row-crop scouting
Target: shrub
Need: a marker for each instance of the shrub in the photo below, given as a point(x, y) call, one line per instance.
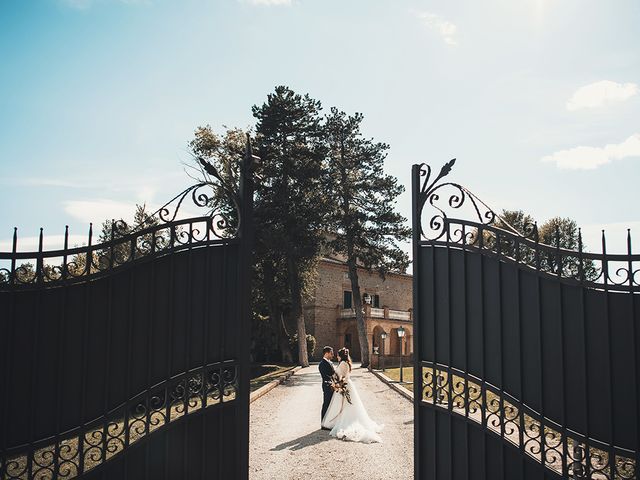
point(293, 345)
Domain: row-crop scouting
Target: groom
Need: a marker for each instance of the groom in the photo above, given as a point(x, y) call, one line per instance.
point(326, 372)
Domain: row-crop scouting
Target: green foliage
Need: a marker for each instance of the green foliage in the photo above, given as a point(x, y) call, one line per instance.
point(555, 232)
point(364, 224)
point(289, 203)
point(121, 252)
point(220, 155)
point(293, 345)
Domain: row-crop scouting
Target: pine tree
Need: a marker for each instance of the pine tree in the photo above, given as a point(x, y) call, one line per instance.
point(290, 206)
point(364, 223)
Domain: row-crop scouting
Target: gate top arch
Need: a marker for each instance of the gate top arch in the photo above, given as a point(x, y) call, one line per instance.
point(484, 229)
point(166, 230)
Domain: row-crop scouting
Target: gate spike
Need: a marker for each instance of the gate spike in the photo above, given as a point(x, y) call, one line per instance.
point(40, 259)
point(630, 267)
point(14, 248)
point(580, 258)
point(65, 266)
point(580, 239)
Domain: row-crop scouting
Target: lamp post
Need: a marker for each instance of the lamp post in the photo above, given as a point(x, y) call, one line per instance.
point(383, 336)
point(400, 337)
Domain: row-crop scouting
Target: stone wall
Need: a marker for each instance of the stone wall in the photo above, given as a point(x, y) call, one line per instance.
point(322, 309)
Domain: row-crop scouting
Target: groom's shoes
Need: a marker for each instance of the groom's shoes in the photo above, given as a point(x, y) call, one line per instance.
point(324, 428)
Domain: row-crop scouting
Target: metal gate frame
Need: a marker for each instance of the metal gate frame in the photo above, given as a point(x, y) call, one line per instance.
point(527, 361)
point(130, 358)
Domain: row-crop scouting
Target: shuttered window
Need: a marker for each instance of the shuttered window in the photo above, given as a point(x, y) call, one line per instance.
point(346, 302)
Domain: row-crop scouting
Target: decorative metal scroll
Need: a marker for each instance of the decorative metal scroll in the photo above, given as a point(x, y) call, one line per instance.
point(431, 191)
point(88, 447)
point(567, 454)
point(487, 231)
point(159, 233)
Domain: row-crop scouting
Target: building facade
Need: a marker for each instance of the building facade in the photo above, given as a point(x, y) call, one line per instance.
point(330, 316)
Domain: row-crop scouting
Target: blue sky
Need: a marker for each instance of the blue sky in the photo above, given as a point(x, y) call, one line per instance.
point(538, 100)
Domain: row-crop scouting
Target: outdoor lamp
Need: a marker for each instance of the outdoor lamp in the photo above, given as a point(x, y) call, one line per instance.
point(383, 335)
point(400, 331)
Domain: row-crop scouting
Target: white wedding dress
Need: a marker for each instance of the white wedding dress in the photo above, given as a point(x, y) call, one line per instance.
point(350, 421)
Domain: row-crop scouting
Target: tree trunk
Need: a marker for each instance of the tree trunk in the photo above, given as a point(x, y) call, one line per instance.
point(283, 340)
point(351, 259)
point(360, 320)
point(276, 319)
point(296, 311)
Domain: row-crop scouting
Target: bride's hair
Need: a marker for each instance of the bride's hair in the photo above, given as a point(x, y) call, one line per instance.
point(343, 353)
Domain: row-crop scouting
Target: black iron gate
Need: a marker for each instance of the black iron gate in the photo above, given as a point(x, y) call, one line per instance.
point(128, 358)
point(527, 355)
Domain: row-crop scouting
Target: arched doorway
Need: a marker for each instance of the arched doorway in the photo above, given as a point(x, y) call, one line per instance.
point(350, 340)
point(377, 344)
point(398, 347)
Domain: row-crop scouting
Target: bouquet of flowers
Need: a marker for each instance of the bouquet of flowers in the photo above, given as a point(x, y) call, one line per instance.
point(339, 385)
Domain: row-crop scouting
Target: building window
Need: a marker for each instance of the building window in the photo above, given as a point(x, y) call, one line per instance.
point(376, 301)
point(346, 302)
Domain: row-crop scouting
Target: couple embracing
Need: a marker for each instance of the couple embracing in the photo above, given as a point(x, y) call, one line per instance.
point(342, 410)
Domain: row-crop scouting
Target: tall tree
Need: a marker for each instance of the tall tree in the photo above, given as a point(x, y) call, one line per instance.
point(365, 226)
point(290, 205)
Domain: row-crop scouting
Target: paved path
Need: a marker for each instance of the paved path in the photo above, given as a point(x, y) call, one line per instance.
point(287, 443)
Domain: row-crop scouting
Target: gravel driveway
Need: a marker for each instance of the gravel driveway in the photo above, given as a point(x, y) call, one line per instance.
point(287, 443)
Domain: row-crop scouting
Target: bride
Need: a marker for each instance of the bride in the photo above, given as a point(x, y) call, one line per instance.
point(346, 415)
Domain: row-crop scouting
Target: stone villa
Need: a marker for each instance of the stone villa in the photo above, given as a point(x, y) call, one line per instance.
point(331, 319)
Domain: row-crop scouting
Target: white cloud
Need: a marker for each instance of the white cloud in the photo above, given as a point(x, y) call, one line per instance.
point(439, 25)
point(268, 2)
point(601, 93)
point(144, 192)
point(98, 210)
point(589, 158)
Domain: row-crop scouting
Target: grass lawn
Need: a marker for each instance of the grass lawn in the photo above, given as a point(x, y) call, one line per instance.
point(407, 376)
point(263, 374)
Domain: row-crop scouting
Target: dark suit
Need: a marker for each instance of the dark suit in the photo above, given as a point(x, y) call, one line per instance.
point(326, 372)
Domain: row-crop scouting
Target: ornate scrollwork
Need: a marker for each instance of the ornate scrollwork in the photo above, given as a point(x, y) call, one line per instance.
point(458, 196)
point(223, 224)
point(533, 434)
point(478, 227)
point(76, 454)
